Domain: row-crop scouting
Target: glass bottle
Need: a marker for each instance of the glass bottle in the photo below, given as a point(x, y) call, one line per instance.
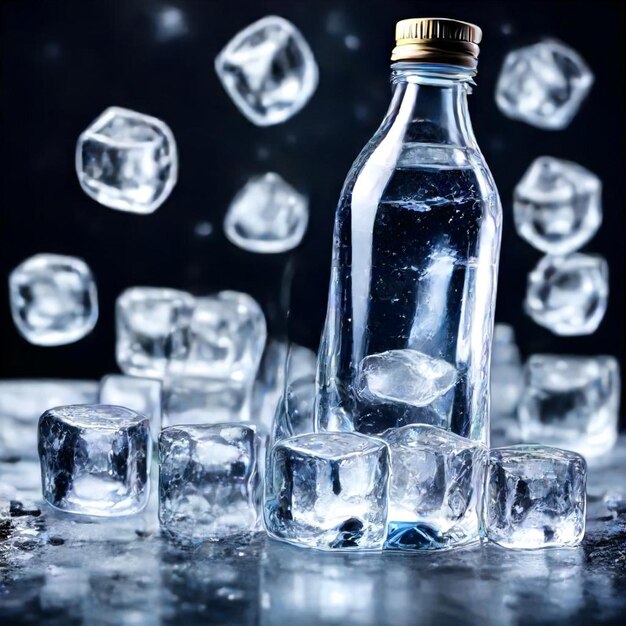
point(410, 313)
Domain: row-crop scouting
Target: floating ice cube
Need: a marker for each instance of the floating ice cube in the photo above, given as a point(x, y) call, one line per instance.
point(208, 480)
point(568, 295)
point(152, 326)
point(543, 84)
point(571, 402)
point(328, 491)
point(226, 341)
point(535, 497)
point(95, 459)
point(128, 161)
point(142, 395)
point(506, 371)
point(294, 414)
point(557, 205)
point(203, 401)
point(53, 299)
point(406, 376)
point(268, 70)
point(267, 216)
point(435, 488)
point(23, 401)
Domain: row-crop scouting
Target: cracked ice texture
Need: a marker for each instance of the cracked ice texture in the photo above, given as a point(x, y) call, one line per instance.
point(328, 491)
point(23, 401)
point(535, 497)
point(267, 216)
point(54, 300)
point(208, 481)
point(557, 205)
point(435, 488)
point(268, 70)
point(406, 376)
point(152, 326)
point(568, 295)
point(95, 459)
point(227, 336)
point(571, 402)
point(543, 84)
point(127, 160)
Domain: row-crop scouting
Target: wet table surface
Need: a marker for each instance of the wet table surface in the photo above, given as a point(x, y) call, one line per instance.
point(58, 569)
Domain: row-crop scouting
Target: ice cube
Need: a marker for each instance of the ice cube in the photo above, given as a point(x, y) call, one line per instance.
point(571, 402)
point(267, 216)
point(568, 295)
point(142, 395)
point(23, 401)
point(328, 491)
point(152, 326)
point(535, 497)
point(406, 376)
point(208, 481)
point(506, 372)
point(227, 337)
point(557, 205)
point(203, 401)
point(268, 70)
point(269, 386)
point(53, 299)
point(294, 414)
point(95, 459)
point(127, 160)
point(543, 84)
point(435, 488)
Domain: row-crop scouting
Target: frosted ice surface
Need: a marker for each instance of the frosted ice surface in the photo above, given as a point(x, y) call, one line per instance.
point(268, 70)
point(267, 216)
point(208, 480)
point(568, 295)
point(226, 339)
point(435, 488)
point(203, 401)
point(571, 402)
point(328, 491)
point(557, 205)
point(152, 327)
point(95, 459)
point(543, 84)
point(143, 395)
point(406, 376)
point(22, 401)
point(54, 300)
point(127, 160)
point(535, 497)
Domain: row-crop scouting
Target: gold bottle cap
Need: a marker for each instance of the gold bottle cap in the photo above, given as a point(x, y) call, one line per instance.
point(437, 40)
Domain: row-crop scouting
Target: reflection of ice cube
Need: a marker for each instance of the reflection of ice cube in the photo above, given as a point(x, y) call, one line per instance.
point(23, 401)
point(267, 215)
point(53, 299)
point(128, 161)
point(405, 376)
point(557, 205)
point(227, 337)
point(208, 480)
point(328, 491)
point(571, 402)
point(535, 497)
point(568, 295)
point(95, 459)
point(152, 327)
point(268, 70)
point(543, 84)
point(435, 488)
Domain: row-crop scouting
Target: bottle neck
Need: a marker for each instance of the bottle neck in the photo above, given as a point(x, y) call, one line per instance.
point(434, 99)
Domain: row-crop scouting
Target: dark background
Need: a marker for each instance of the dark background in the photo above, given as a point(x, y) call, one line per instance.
point(63, 62)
